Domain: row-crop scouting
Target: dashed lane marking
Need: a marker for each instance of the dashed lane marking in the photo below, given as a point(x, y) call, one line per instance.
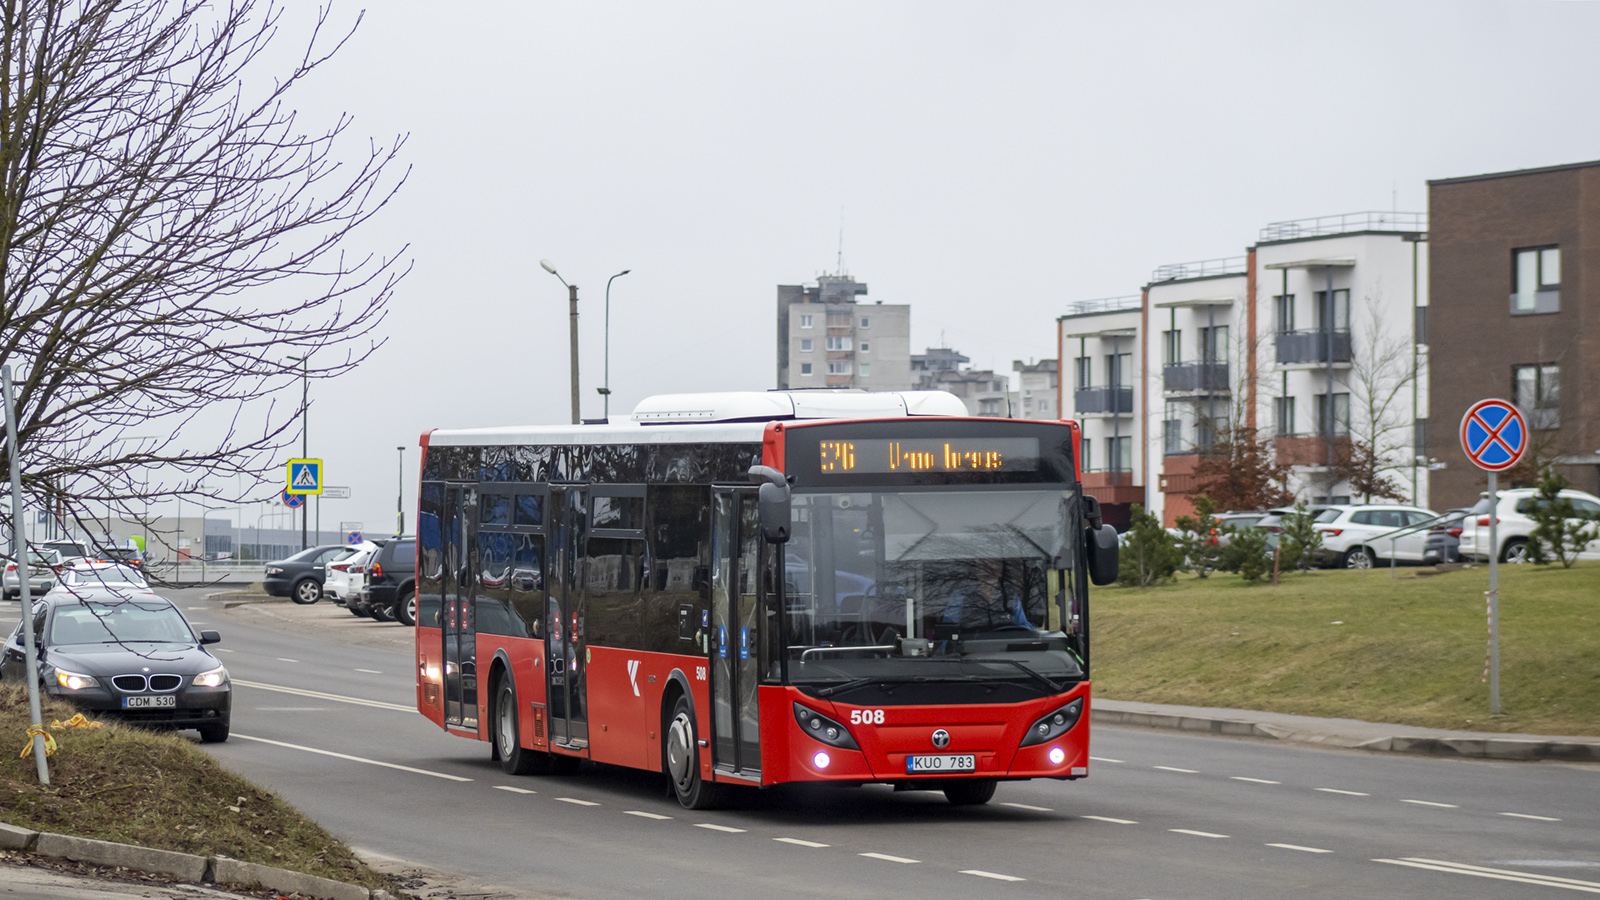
point(1176, 769)
point(1431, 803)
point(514, 790)
point(1104, 759)
point(298, 692)
point(722, 828)
point(1111, 820)
point(1346, 793)
point(221, 650)
point(995, 875)
point(646, 815)
point(1526, 816)
point(370, 671)
point(370, 762)
point(287, 659)
point(577, 802)
point(799, 843)
point(887, 858)
point(1204, 834)
point(1300, 848)
point(1253, 780)
point(1436, 865)
point(1028, 808)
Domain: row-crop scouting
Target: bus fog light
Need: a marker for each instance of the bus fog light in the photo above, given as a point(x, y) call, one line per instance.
point(821, 760)
point(1057, 756)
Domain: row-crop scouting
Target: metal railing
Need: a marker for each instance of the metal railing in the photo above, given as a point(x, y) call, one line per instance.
point(1312, 346)
point(1103, 400)
point(1227, 265)
point(1195, 376)
point(1104, 304)
point(1345, 223)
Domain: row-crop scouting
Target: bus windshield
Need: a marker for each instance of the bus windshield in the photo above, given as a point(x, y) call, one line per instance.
point(931, 584)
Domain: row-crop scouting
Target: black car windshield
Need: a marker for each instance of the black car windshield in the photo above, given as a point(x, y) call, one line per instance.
point(100, 623)
point(891, 584)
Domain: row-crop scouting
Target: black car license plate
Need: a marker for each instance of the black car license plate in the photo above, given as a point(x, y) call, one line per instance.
point(166, 701)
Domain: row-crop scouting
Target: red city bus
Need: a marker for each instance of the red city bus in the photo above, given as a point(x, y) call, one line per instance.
point(761, 588)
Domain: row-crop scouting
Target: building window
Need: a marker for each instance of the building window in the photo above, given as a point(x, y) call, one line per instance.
point(1536, 280)
point(1284, 304)
point(805, 368)
point(1044, 406)
point(1119, 452)
point(1086, 448)
point(805, 345)
point(838, 342)
point(1214, 344)
point(805, 321)
point(1118, 367)
point(866, 369)
point(1283, 415)
point(866, 346)
point(866, 322)
point(1340, 426)
point(1083, 373)
point(1340, 312)
point(838, 367)
point(1172, 344)
point(1536, 389)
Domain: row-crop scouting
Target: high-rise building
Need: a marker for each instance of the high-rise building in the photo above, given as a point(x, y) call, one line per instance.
point(828, 339)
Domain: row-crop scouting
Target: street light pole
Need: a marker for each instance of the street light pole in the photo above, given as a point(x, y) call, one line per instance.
point(305, 444)
point(572, 301)
point(400, 493)
point(606, 391)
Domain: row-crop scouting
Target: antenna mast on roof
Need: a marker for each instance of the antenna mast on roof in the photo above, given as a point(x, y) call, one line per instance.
point(840, 261)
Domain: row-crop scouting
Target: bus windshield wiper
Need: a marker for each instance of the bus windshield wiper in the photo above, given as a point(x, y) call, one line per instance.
point(1029, 670)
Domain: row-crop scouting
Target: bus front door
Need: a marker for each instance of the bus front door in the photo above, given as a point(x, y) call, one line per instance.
point(459, 620)
point(566, 648)
point(736, 644)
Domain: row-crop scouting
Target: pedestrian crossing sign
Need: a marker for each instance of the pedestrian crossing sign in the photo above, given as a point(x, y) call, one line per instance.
point(305, 476)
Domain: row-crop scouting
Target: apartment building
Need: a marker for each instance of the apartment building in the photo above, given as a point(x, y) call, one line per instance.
point(982, 390)
point(1037, 389)
point(1100, 350)
point(1517, 275)
point(828, 339)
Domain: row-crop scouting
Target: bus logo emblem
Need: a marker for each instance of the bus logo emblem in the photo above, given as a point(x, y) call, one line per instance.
point(941, 739)
point(633, 675)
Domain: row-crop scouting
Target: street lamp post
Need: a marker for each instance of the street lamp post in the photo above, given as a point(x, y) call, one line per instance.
point(606, 391)
point(572, 301)
point(400, 494)
point(305, 442)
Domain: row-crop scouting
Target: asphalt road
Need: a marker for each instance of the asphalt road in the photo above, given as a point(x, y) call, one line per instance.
point(323, 714)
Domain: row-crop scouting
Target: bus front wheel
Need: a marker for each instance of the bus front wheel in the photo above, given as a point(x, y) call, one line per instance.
point(975, 792)
point(683, 762)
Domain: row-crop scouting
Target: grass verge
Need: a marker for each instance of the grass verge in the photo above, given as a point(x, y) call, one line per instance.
point(1408, 650)
point(155, 789)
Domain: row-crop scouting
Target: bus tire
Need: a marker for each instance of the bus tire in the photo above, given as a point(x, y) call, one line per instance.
point(973, 792)
point(683, 762)
point(515, 759)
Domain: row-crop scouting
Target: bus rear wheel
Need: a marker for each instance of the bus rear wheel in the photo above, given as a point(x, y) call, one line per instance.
point(683, 762)
point(515, 759)
point(974, 792)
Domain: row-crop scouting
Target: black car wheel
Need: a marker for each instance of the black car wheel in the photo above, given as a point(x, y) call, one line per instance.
point(214, 734)
point(405, 609)
point(306, 591)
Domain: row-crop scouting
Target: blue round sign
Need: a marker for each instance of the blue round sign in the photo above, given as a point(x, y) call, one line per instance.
point(294, 501)
point(1494, 435)
point(353, 537)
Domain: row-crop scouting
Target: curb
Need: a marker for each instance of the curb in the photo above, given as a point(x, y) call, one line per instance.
point(1463, 747)
point(218, 870)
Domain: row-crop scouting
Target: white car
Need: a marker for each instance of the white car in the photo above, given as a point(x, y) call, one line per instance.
point(83, 578)
point(1356, 536)
point(1516, 524)
point(345, 578)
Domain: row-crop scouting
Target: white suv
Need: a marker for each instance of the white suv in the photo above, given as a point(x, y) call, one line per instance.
point(1516, 524)
point(1357, 536)
point(345, 578)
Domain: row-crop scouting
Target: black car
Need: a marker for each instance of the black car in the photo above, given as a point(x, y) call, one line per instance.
point(391, 591)
point(133, 658)
point(300, 576)
point(1444, 538)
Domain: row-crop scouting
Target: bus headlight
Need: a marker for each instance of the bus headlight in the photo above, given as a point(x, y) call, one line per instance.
point(214, 678)
point(1054, 725)
point(823, 728)
point(75, 682)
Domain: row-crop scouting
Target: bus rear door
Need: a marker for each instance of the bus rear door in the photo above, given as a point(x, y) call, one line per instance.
point(735, 640)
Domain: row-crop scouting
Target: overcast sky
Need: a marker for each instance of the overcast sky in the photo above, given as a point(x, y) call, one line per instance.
point(989, 164)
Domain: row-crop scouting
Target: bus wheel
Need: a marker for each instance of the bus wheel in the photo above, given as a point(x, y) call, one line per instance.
point(975, 792)
point(515, 759)
point(683, 762)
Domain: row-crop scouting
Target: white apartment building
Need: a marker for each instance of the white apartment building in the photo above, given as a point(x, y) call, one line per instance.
point(828, 339)
point(1100, 360)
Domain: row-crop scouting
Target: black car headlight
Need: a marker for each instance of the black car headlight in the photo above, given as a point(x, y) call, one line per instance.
point(1054, 725)
point(72, 681)
point(823, 728)
point(215, 678)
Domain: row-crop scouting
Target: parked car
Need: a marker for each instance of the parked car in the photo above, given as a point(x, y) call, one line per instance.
point(300, 577)
point(391, 591)
point(1235, 521)
point(137, 660)
point(1516, 524)
point(1444, 538)
point(84, 576)
point(130, 556)
point(346, 577)
point(1357, 536)
point(68, 549)
point(1272, 522)
point(43, 570)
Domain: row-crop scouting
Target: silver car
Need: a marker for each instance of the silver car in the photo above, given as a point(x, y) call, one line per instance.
point(43, 569)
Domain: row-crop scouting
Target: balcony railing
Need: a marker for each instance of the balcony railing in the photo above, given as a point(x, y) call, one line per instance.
point(1345, 223)
point(1312, 346)
point(1103, 399)
point(1104, 304)
point(1202, 268)
point(1195, 376)
point(1536, 303)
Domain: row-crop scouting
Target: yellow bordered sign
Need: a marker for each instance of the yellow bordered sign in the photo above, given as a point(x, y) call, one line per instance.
point(305, 476)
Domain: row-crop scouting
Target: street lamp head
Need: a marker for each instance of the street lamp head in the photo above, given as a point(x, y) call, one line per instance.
point(624, 271)
point(549, 267)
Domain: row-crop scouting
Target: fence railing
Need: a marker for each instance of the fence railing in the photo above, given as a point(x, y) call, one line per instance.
point(1345, 223)
point(1195, 376)
point(1204, 268)
point(1313, 346)
point(1103, 400)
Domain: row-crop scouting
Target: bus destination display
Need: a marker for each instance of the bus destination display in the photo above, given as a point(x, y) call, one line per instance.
point(887, 456)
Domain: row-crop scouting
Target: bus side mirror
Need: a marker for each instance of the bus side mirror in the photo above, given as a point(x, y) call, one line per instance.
point(1100, 549)
point(772, 501)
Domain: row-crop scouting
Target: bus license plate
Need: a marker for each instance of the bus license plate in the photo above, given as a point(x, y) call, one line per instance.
point(965, 762)
point(161, 702)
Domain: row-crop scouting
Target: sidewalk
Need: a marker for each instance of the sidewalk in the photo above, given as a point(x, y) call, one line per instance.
point(1349, 733)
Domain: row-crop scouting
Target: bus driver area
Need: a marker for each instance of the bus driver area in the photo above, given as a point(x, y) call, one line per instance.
point(613, 592)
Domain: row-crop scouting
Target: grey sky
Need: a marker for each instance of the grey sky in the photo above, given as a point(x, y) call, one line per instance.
point(992, 162)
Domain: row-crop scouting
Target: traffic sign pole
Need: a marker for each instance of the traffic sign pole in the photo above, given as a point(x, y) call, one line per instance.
point(1494, 435)
point(1494, 594)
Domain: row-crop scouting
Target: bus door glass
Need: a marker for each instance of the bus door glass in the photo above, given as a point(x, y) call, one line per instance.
point(564, 631)
point(736, 640)
point(460, 629)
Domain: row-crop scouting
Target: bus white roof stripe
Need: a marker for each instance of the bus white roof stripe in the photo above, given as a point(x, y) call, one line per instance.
point(691, 433)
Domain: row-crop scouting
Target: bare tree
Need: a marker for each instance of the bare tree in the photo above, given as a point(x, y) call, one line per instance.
point(172, 245)
point(1379, 381)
